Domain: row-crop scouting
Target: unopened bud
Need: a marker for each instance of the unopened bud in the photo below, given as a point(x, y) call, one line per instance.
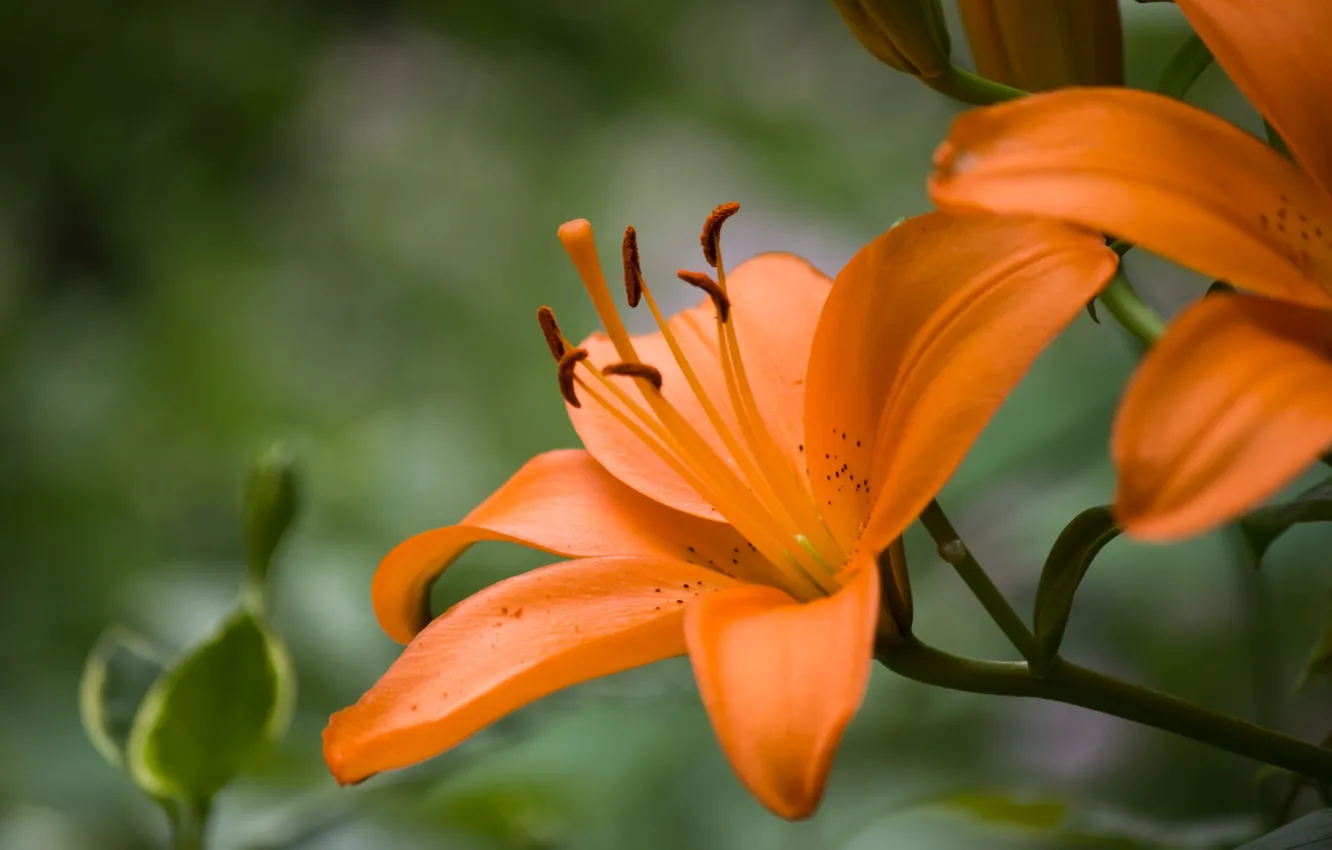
point(909, 35)
point(270, 506)
point(1038, 45)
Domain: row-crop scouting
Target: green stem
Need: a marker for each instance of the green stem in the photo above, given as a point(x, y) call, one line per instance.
point(1184, 68)
point(1069, 683)
point(1128, 308)
point(189, 827)
point(971, 88)
point(955, 552)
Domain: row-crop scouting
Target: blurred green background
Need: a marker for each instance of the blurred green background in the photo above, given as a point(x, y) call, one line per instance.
point(227, 222)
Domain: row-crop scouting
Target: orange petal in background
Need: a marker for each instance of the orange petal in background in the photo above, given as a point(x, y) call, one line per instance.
point(1276, 52)
point(1230, 405)
point(775, 300)
point(926, 331)
point(562, 502)
point(509, 645)
point(780, 681)
point(1177, 181)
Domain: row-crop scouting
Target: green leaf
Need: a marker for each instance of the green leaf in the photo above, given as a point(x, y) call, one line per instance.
point(1039, 813)
point(1072, 553)
point(121, 668)
point(1311, 832)
point(271, 500)
point(212, 713)
point(1262, 527)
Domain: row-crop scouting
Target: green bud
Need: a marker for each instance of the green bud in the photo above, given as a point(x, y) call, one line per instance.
point(271, 496)
point(909, 35)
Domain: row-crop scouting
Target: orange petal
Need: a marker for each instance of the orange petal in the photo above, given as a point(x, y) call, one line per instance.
point(927, 329)
point(781, 680)
point(562, 502)
point(1276, 52)
point(1150, 169)
point(1230, 405)
point(509, 645)
point(775, 302)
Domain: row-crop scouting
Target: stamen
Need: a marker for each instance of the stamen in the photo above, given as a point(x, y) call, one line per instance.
point(576, 237)
point(635, 370)
point(712, 230)
point(710, 286)
point(567, 363)
point(633, 269)
point(551, 329)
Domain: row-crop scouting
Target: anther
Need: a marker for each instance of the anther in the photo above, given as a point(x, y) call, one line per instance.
point(708, 285)
point(712, 230)
point(570, 360)
point(633, 269)
point(549, 327)
point(636, 370)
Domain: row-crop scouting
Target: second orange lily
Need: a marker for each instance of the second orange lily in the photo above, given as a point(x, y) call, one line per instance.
point(1236, 399)
point(744, 468)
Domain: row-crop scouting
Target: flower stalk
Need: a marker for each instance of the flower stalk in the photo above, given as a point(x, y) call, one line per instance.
point(1068, 683)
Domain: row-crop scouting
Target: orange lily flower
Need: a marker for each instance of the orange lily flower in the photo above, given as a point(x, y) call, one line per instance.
point(1235, 400)
point(744, 467)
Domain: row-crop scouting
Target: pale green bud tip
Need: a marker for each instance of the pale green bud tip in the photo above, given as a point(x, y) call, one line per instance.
point(909, 35)
point(271, 501)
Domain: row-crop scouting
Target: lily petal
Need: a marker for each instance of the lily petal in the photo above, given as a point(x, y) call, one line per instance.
point(510, 645)
point(775, 303)
point(927, 329)
point(1229, 406)
point(1276, 52)
point(780, 681)
point(564, 503)
point(1177, 181)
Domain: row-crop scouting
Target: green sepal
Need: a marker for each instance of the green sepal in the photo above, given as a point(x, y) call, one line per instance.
point(1073, 552)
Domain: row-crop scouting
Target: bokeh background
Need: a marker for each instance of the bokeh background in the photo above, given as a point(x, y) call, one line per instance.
point(223, 223)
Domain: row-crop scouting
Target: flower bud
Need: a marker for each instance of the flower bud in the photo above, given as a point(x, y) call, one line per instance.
point(269, 507)
point(909, 35)
point(1038, 45)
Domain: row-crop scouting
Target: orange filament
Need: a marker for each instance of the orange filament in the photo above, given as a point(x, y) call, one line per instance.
point(798, 578)
point(568, 363)
point(636, 370)
point(551, 329)
point(711, 238)
point(711, 287)
point(762, 493)
point(633, 269)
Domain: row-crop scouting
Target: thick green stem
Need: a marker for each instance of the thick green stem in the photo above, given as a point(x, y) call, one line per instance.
point(971, 88)
point(1069, 683)
point(955, 552)
point(1124, 303)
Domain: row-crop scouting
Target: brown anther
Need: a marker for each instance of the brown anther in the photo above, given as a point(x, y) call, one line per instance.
point(708, 285)
point(712, 230)
point(549, 327)
point(635, 370)
point(633, 270)
point(570, 359)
